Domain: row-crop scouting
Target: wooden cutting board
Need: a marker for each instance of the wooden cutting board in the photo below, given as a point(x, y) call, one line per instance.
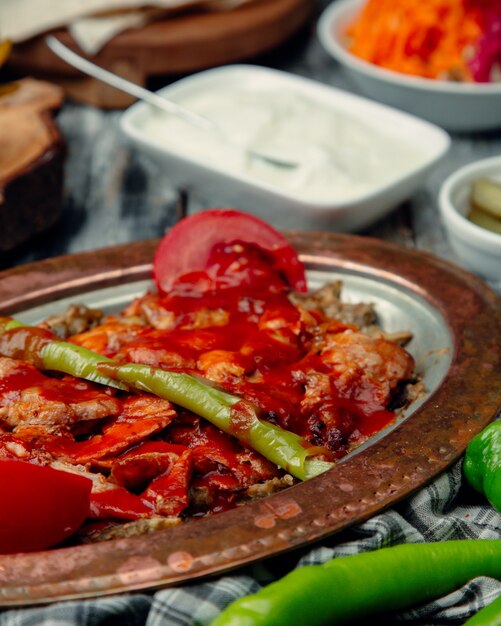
point(180, 44)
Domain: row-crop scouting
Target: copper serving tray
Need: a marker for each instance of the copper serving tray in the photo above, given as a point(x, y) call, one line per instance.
point(457, 347)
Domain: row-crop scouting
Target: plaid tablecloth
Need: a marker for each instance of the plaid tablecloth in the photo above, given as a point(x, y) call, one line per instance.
point(446, 509)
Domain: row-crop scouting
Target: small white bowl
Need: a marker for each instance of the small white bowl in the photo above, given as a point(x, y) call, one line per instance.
point(478, 248)
point(454, 106)
point(286, 208)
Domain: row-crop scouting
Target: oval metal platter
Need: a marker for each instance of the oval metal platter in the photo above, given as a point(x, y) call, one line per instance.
point(456, 323)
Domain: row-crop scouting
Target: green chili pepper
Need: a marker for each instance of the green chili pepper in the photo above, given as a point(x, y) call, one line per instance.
point(230, 413)
point(488, 616)
point(349, 588)
point(482, 464)
point(77, 361)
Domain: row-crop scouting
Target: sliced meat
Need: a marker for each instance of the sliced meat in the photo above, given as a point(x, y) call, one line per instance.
point(149, 309)
point(362, 364)
point(29, 398)
point(206, 318)
point(143, 463)
point(16, 448)
point(169, 492)
point(163, 314)
point(109, 337)
point(140, 417)
point(216, 454)
point(327, 300)
point(157, 356)
point(222, 366)
point(75, 320)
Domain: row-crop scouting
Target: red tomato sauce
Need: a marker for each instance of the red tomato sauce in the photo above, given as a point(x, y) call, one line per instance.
point(234, 324)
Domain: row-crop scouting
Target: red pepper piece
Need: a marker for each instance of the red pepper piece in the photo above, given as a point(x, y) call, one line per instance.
point(40, 506)
point(169, 492)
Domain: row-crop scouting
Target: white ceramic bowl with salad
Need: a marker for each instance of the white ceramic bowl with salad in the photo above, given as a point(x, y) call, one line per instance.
point(356, 159)
point(478, 247)
point(456, 106)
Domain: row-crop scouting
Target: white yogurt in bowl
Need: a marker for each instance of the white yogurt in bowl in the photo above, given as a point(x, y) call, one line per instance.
point(355, 159)
point(339, 157)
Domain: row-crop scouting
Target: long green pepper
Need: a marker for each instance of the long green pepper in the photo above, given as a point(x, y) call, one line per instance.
point(349, 588)
point(230, 413)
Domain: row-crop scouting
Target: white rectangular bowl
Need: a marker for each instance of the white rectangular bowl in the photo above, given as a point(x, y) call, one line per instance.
point(283, 208)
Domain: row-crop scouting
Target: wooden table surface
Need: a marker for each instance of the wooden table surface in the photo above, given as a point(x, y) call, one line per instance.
point(114, 195)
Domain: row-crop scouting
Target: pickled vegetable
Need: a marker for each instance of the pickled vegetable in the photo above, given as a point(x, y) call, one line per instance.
point(486, 196)
point(486, 204)
point(483, 219)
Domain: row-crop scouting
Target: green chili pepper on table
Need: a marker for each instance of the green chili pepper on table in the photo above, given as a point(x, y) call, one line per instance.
point(482, 464)
point(349, 588)
point(230, 413)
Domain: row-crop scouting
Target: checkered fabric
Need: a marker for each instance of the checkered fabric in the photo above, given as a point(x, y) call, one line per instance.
point(446, 509)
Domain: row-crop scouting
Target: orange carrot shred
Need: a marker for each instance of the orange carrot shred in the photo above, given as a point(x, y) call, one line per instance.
point(429, 38)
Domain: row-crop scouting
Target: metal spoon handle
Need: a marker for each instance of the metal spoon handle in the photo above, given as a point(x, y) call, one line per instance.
point(205, 123)
point(122, 84)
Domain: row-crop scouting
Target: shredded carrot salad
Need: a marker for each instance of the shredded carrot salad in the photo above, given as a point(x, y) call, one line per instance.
point(429, 38)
